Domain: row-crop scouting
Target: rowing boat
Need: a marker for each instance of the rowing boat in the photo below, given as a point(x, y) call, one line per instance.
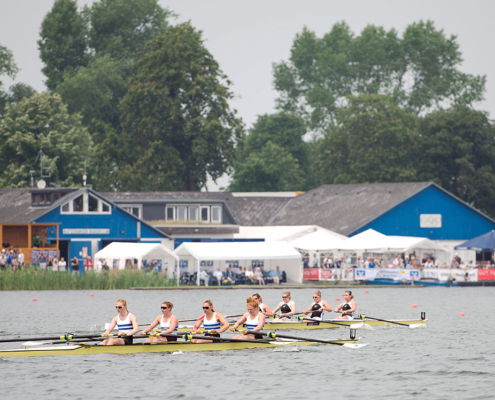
point(73, 349)
point(274, 325)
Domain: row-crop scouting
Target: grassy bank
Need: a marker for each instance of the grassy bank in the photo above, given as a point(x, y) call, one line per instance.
point(32, 279)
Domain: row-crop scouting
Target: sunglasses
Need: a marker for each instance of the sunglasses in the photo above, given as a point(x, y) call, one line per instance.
point(315, 297)
point(163, 308)
point(119, 307)
point(206, 308)
point(285, 297)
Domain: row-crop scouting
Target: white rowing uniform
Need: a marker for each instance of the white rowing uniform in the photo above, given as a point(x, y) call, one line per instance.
point(252, 323)
point(124, 326)
point(166, 325)
point(212, 324)
point(261, 307)
point(317, 314)
point(345, 307)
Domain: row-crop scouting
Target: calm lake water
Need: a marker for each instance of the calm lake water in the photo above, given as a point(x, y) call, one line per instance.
point(453, 358)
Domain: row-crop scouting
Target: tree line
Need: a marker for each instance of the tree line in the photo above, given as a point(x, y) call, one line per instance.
point(146, 105)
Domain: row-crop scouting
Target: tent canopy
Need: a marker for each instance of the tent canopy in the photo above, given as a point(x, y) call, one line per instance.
point(123, 251)
point(238, 251)
point(318, 241)
point(485, 242)
point(282, 233)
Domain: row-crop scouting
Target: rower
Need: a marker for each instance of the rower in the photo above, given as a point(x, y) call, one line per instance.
point(287, 308)
point(126, 324)
point(168, 322)
point(213, 322)
point(347, 307)
point(317, 308)
point(254, 320)
point(262, 307)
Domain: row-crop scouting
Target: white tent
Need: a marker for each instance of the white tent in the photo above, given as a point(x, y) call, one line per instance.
point(117, 254)
point(318, 241)
point(367, 240)
point(282, 233)
point(272, 254)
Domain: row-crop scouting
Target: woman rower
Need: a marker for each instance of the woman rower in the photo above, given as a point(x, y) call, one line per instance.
point(126, 324)
point(168, 322)
point(317, 308)
point(263, 307)
point(213, 322)
point(287, 307)
point(347, 307)
point(254, 319)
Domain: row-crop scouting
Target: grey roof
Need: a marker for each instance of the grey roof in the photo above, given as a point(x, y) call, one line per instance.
point(15, 207)
point(163, 196)
point(345, 208)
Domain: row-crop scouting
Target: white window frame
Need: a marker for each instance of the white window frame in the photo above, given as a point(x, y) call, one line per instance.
point(219, 220)
point(85, 210)
point(185, 213)
point(129, 207)
point(195, 207)
point(201, 214)
point(166, 213)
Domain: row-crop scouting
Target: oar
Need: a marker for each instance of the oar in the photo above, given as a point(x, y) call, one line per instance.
point(353, 326)
point(215, 339)
point(412, 326)
point(273, 335)
point(66, 338)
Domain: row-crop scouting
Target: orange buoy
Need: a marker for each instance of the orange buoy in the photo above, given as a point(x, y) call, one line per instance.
point(365, 291)
point(461, 314)
point(91, 295)
point(414, 306)
point(35, 299)
point(337, 299)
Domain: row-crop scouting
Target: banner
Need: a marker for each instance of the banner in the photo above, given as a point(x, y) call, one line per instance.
point(486, 274)
point(336, 274)
point(444, 274)
point(396, 274)
point(311, 273)
point(35, 255)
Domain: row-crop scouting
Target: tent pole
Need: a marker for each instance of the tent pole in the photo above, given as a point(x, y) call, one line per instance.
point(177, 263)
point(198, 282)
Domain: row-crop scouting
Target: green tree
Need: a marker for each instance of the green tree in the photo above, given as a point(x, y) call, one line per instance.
point(9, 68)
point(375, 141)
point(283, 130)
point(273, 168)
point(41, 122)
point(177, 124)
point(419, 71)
point(457, 151)
point(63, 44)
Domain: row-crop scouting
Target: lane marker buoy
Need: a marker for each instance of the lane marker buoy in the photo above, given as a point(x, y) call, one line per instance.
point(461, 314)
point(414, 306)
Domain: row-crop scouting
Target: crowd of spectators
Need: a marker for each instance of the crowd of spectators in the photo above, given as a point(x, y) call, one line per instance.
point(11, 258)
point(243, 276)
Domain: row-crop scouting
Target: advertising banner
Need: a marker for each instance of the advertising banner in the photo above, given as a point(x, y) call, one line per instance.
point(396, 274)
point(311, 273)
point(486, 274)
point(336, 274)
point(444, 274)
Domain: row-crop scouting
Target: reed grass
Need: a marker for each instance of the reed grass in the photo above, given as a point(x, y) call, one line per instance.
point(30, 278)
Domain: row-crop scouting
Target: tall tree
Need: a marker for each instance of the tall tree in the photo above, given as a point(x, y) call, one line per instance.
point(286, 132)
point(458, 152)
point(177, 124)
point(41, 122)
point(420, 71)
point(63, 43)
point(375, 142)
point(272, 168)
point(9, 68)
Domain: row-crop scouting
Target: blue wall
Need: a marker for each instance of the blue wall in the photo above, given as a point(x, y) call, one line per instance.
point(459, 222)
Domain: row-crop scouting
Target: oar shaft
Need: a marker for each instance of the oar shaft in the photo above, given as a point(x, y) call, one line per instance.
point(300, 338)
point(212, 338)
point(385, 320)
point(326, 322)
point(65, 338)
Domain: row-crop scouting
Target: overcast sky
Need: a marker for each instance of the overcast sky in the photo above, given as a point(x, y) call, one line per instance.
point(247, 37)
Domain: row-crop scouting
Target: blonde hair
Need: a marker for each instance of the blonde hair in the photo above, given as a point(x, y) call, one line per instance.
point(123, 302)
point(210, 304)
point(287, 293)
point(318, 293)
point(259, 297)
point(350, 293)
point(252, 302)
point(169, 304)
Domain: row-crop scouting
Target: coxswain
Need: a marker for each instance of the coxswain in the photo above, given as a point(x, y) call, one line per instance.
point(347, 307)
point(254, 320)
point(126, 324)
point(263, 307)
point(287, 307)
point(214, 323)
point(168, 323)
point(317, 308)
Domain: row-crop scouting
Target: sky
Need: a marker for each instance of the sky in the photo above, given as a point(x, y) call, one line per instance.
point(247, 37)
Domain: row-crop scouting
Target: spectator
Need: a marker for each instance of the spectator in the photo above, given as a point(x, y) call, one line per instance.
point(36, 239)
point(325, 261)
point(330, 262)
point(372, 263)
point(457, 258)
point(315, 261)
point(88, 264)
point(15, 260)
point(398, 261)
point(343, 263)
point(250, 274)
point(367, 262)
point(348, 259)
point(105, 266)
point(8, 259)
point(280, 274)
point(306, 262)
point(429, 263)
point(75, 265)
point(62, 265)
point(454, 263)
point(49, 264)
point(20, 258)
point(406, 261)
point(273, 274)
point(259, 276)
point(218, 275)
point(55, 265)
point(204, 277)
point(377, 263)
point(359, 263)
point(380, 263)
point(230, 276)
point(42, 261)
point(128, 264)
point(6, 244)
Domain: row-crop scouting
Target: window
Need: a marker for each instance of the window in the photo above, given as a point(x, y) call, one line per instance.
point(65, 207)
point(77, 204)
point(205, 214)
point(430, 220)
point(35, 199)
point(170, 213)
point(105, 207)
point(92, 204)
point(181, 213)
point(216, 214)
point(193, 213)
point(134, 209)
